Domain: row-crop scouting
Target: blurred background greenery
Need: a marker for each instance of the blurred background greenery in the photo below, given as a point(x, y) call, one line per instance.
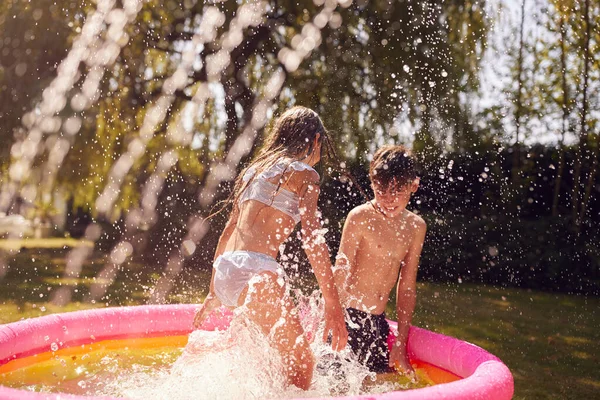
point(498, 99)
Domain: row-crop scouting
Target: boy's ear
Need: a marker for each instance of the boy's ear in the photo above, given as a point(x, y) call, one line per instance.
point(414, 186)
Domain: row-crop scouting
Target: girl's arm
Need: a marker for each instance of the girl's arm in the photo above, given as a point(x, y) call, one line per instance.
point(313, 242)
point(227, 232)
point(406, 297)
point(345, 260)
point(211, 302)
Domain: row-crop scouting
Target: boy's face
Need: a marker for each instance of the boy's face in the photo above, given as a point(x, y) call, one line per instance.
point(391, 199)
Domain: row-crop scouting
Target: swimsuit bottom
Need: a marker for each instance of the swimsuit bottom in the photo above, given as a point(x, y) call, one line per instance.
point(234, 269)
point(367, 337)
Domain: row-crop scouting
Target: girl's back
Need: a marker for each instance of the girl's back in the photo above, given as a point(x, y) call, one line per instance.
point(270, 206)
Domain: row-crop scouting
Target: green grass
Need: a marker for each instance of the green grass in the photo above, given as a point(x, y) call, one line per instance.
point(549, 341)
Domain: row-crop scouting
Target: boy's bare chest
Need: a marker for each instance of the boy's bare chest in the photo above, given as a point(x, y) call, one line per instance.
point(387, 239)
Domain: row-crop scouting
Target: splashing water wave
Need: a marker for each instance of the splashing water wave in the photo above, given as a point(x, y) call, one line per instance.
point(239, 363)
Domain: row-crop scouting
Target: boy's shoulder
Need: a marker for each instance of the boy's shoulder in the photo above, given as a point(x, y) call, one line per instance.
point(415, 220)
point(365, 210)
point(417, 224)
point(368, 213)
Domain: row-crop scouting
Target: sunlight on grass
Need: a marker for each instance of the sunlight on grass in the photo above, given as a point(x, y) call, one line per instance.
point(76, 281)
point(46, 243)
point(576, 340)
point(544, 338)
point(589, 382)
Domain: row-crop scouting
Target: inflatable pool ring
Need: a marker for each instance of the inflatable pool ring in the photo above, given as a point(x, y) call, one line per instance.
point(469, 371)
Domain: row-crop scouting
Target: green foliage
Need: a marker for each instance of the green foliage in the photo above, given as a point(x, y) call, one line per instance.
point(35, 37)
point(384, 59)
point(511, 252)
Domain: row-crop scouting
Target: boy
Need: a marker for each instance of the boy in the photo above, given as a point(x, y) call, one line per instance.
point(381, 242)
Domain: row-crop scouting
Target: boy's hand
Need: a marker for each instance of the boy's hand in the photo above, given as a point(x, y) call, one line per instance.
point(210, 303)
point(336, 324)
point(399, 359)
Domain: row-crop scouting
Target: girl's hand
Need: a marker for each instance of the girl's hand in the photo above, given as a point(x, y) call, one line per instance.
point(336, 324)
point(399, 360)
point(210, 303)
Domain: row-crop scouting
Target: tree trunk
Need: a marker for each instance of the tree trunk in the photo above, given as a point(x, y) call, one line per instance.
point(565, 116)
point(594, 167)
point(519, 105)
point(583, 130)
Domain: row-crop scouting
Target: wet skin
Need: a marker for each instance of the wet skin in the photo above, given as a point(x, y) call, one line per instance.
point(380, 247)
point(257, 227)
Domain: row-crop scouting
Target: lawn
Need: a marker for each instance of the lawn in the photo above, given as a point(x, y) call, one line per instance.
point(549, 341)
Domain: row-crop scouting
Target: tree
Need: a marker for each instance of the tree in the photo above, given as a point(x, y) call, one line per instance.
point(592, 139)
point(583, 130)
point(383, 61)
point(564, 103)
point(519, 95)
point(29, 54)
point(384, 58)
point(557, 83)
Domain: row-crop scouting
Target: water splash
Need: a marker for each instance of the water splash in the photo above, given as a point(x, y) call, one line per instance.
point(242, 355)
point(210, 364)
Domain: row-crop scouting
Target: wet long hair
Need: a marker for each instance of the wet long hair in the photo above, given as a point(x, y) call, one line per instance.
point(291, 138)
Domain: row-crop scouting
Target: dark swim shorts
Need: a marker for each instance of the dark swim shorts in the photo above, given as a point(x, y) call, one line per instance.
point(367, 337)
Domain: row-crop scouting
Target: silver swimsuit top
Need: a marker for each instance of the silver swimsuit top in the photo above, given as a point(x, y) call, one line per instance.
point(260, 189)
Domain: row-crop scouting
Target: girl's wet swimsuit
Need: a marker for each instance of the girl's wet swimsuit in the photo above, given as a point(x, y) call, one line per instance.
point(234, 269)
point(269, 193)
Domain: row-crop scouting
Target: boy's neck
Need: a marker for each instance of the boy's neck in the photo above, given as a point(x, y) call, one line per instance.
point(385, 215)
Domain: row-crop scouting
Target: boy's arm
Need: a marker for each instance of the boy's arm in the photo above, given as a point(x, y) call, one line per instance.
point(345, 260)
point(315, 247)
point(406, 296)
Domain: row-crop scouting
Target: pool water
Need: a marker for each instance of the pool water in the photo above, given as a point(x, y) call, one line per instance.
point(133, 367)
point(79, 370)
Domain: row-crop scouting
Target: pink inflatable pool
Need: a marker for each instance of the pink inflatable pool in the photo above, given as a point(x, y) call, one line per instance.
point(483, 376)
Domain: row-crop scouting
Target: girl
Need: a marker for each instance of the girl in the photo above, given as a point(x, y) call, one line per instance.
point(279, 189)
